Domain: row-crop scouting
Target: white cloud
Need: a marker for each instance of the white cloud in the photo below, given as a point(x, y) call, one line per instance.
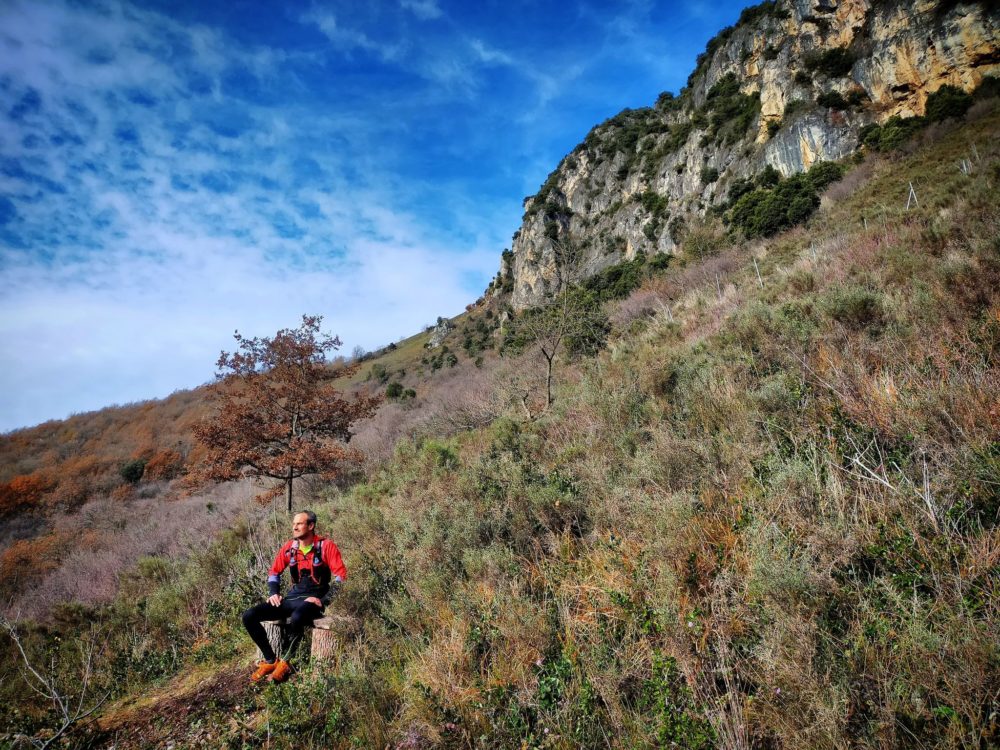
point(425, 10)
point(348, 40)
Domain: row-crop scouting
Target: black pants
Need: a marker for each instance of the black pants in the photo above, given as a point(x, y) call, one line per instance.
point(299, 613)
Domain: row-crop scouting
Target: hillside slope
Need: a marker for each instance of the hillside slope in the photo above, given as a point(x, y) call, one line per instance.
point(765, 515)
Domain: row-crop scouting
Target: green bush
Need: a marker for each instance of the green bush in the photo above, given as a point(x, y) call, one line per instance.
point(832, 100)
point(822, 173)
point(803, 78)
point(768, 177)
point(856, 307)
point(709, 175)
point(132, 471)
point(766, 211)
point(394, 390)
point(947, 102)
point(988, 87)
point(835, 63)
point(892, 134)
point(793, 107)
point(654, 203)
point(730, 112)
point(378, 373)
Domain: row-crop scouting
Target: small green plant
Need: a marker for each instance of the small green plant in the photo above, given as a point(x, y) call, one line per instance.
point(793, 107)
point(709, 175)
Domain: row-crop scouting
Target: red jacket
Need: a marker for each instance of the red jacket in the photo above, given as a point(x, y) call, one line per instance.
point(311, 574)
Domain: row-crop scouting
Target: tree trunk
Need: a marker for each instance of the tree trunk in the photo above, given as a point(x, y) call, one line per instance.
point(548, 381)
point(288, 489)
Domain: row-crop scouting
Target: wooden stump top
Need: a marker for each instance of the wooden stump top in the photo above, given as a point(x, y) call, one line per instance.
point(330, 622)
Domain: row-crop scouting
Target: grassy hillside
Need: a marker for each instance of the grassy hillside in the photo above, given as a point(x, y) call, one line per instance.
point(764, 515)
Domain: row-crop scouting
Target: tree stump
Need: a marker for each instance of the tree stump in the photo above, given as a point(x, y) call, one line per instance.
point(328, 636)
point(275, 636)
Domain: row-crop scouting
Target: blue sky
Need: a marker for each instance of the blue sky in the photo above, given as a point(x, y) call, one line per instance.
point(171, 172)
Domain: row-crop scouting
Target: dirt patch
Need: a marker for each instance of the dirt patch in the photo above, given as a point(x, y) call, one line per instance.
point(196, 709)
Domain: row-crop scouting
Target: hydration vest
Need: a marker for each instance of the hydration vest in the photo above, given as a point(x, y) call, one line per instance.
point(293, 562)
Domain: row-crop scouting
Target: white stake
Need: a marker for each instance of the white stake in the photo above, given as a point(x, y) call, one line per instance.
point(812, 247)
point(757, 269)
point(912, 197)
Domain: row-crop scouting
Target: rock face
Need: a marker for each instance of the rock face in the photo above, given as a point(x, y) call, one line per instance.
point(752, 102)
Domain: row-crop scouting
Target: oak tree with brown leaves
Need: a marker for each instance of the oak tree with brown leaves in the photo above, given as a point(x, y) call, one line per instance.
point(277, 413)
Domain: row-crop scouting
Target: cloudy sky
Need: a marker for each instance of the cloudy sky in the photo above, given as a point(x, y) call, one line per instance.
point(173, 171)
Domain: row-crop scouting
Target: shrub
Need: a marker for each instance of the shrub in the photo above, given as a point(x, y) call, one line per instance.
point(803, 78)
point(731, 112)
point(832, 100)
point(768, 177)
point(378, 373)
point(767, 211)
point(891, 134)
point(165, 464)
point(24, 490)
point(856, 96)
point(835, 63)
point(654, 203)
point(738, 188)
point(856, 307)
point(822, 173)
point(132, 471)
point(988, 87)
point(709, 175)
point(947, 102)
point(795, 106)
point(394, 390)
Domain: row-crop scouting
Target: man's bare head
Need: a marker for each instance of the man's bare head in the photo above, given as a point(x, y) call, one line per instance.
point(303, 525)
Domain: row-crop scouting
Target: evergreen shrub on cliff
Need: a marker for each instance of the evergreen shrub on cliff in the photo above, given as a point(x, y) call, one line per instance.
point(773, 207)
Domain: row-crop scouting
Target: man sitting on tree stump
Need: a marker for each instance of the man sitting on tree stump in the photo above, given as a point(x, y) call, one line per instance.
point(314, 564)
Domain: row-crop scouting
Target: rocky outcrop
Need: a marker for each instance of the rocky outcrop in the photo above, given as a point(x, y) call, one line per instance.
point(756, 99)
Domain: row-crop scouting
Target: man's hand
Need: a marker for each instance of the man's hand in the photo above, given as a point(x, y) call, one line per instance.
point(274, 599)
point(314, 600)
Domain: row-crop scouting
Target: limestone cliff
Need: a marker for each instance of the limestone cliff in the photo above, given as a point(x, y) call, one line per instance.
point(792, 83)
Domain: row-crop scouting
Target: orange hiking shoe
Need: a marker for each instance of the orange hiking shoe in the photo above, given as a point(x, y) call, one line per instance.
point(282, 671)
point(263, 670)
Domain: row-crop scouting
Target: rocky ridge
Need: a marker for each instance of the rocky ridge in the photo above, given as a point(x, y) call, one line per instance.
point(791, 84)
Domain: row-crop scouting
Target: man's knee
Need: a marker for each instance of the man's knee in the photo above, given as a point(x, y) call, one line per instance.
point(304, 615)
point(251, 616)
